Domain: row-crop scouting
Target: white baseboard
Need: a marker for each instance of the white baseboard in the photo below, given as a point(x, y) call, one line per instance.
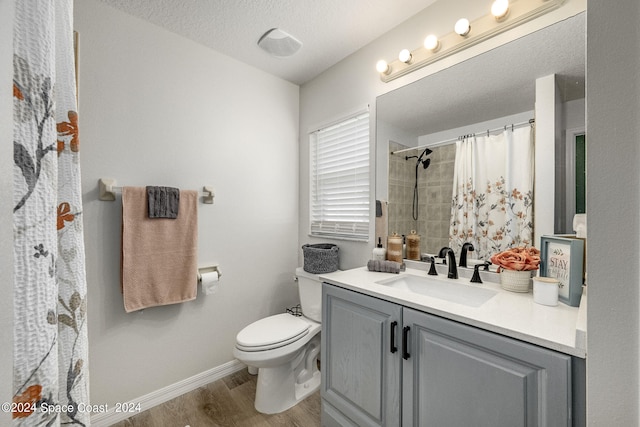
point(167, 393)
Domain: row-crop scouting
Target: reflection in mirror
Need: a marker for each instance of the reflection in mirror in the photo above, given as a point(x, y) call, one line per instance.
point(491, 90)
point(432, 200)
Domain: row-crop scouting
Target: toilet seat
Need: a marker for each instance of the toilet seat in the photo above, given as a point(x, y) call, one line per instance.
point(272, 332)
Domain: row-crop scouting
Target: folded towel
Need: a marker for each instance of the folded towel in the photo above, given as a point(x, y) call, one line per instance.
point(163, 202)
point(159, 256)
point(385, 266)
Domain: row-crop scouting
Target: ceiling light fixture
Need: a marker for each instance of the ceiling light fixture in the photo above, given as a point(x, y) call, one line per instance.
point(504, 16)
point(462, 27)
point(279, 43)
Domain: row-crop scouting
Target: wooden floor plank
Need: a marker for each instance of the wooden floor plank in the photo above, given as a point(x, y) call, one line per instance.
point(227, 402)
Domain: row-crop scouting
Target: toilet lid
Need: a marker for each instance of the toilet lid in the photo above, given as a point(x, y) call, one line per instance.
point(271, 332)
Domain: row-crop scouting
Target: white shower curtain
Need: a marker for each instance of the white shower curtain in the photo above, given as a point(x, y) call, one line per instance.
point(492, 204)
point(50, 329)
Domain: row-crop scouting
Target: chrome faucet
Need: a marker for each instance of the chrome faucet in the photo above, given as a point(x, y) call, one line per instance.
point(463, 254)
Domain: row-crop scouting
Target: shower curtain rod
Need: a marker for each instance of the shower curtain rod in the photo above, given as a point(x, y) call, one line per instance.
point(530, 122)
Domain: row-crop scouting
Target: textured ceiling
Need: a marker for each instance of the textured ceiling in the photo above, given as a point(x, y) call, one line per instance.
point(495, 84)
point(330, 30)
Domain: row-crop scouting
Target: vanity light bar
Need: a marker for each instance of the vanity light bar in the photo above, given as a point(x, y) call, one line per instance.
point(518, 12)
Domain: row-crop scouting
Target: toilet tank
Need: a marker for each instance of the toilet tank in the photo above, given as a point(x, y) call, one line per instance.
point(310, 291)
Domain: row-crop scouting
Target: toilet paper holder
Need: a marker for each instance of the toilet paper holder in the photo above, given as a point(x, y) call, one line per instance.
point(210, 269)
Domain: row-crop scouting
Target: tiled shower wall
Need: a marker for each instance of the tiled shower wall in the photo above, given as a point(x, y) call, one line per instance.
point(435, 188)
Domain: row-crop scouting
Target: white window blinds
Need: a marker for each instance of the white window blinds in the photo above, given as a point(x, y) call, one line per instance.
point(339, 167)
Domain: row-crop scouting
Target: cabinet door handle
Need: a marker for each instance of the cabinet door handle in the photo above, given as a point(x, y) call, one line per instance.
point(405, 342)
point(394, 325)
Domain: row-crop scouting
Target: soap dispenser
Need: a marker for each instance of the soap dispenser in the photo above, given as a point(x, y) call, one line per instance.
point(379, 253)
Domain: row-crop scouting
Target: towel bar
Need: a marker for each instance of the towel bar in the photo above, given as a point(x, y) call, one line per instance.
point(107, 189)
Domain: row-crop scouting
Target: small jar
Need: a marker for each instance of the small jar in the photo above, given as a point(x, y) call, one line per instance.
point(545, 290)
point(394, 248)
point(413, 246)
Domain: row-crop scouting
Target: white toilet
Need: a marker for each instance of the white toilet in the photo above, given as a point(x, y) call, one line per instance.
point(285, 350)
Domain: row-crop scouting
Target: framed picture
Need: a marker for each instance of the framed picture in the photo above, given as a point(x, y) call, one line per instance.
point(561, 257)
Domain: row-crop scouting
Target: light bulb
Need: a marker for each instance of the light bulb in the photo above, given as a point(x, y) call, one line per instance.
point(431, 43)
point(462, 27)
point(500, 8)
point(404, 56)
point(383, 67)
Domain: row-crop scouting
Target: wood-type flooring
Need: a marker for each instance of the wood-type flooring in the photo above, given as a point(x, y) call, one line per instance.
point(225, 403)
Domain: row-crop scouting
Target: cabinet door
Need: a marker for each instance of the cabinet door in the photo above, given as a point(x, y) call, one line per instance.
point(360, 363)
point(457, 375)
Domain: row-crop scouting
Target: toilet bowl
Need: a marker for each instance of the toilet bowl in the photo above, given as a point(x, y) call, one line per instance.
point(285, 350)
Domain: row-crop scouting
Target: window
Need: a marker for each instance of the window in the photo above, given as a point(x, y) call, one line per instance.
point(339, 167)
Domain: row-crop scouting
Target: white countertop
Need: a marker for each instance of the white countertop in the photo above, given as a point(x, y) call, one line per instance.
point(561, 328)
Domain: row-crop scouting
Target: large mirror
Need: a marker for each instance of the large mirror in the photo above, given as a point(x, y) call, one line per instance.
point(491, 90)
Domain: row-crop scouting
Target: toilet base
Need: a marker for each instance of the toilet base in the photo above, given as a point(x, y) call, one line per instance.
point(282, 387)
point(278, 395)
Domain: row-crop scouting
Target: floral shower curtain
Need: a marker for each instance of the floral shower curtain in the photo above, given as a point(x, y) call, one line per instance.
point(492, 204)
point(50, 331)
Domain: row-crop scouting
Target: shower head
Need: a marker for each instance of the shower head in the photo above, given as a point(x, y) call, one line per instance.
point(425, 162)
point(426, 152)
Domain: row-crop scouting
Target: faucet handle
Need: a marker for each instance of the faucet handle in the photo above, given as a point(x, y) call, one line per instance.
point(432, 269)
point(476, 274)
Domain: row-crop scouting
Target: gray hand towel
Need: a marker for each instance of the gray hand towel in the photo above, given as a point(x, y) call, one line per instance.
point(163, 202)
point(385, 266)
point(378, 208)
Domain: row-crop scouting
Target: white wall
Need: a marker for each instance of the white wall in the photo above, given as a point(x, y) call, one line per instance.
point(574, 113)
point(548, 117)
point(158, 109)
point(386, 132)
point(354, 82)
point(6, 213)
point(613, 203)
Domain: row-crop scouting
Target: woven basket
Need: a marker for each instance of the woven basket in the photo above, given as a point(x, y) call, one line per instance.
point(516, 281)
point(320, 258)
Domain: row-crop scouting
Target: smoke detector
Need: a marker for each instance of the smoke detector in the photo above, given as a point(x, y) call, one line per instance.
point(279, 43)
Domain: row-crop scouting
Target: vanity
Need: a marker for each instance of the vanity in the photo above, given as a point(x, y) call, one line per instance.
point(407, 350)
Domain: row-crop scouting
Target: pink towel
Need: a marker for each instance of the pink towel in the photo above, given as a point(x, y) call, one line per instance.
point(159, 264)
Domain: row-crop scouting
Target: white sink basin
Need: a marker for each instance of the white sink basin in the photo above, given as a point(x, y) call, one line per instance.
point(444, 289)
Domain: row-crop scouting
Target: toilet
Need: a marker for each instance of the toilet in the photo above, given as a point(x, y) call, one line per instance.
point(285, 348)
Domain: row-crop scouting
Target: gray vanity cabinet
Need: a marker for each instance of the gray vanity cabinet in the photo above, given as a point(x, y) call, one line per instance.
point(378, 357)
point(457, 375)
point(361, 371)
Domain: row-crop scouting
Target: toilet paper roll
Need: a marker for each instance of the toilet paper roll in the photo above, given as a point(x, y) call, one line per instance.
point(210, 282)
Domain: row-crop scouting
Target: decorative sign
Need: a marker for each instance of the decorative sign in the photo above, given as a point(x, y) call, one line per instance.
point(561, 258)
